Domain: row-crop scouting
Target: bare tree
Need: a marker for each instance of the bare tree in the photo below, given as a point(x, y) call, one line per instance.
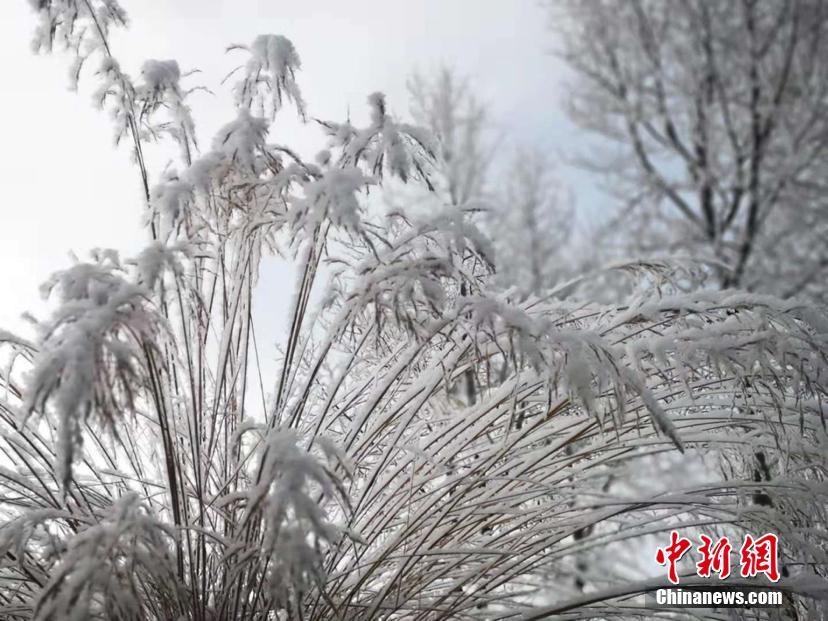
point(718, 110)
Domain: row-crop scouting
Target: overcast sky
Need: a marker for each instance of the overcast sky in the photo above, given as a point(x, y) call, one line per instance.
point(65, 188)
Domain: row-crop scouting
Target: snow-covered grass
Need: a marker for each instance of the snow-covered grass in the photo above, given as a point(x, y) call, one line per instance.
point(433, 447)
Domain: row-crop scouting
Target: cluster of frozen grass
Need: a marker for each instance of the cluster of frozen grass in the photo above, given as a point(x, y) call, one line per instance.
point(432, 447)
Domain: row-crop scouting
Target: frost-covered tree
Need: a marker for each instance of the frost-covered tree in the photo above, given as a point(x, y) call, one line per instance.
point(716, 114)
point(713, 124)
point(145, 473)
point(461, 172)
point(520, 204)
point(533, 225)
point(459, 123)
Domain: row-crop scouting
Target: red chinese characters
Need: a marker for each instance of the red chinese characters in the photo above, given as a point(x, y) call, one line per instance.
point(760, 557)
point(672, 554)
point(714, 557)
point(756, 556)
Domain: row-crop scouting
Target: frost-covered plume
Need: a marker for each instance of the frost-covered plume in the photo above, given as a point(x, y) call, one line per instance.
point(402, 148)
point(269, 76)
point(332, 197)
point(80, 26)
point(93, 352)
point(159, 89)
point(119, 566)
point(242, 141)
point(170, 201)
point(282, 505)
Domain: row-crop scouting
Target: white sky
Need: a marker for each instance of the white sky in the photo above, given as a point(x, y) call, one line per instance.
point(65, 188)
